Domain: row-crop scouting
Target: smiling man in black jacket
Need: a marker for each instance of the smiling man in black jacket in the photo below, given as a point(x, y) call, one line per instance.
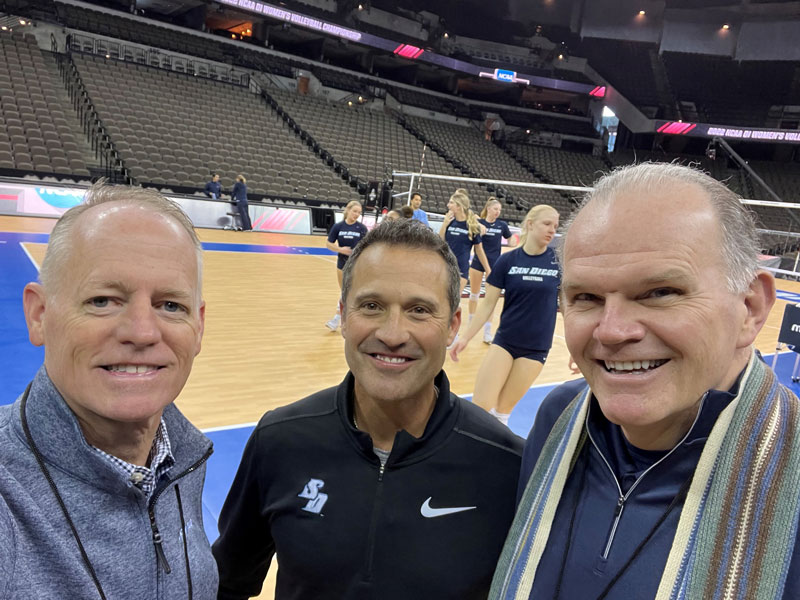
point(388, 485)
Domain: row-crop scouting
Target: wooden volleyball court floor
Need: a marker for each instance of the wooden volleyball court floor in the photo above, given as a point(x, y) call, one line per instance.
point(265, 344)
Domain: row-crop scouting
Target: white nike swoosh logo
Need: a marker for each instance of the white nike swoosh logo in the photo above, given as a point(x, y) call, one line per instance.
point(428, 512)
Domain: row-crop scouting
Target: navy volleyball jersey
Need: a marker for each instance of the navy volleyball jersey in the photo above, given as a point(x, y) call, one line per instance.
point(457, 237)
point(492, 241)
point(347, 236)
point(531, 283)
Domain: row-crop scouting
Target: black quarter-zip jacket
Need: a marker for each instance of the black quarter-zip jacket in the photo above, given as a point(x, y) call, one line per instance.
point(429, 525)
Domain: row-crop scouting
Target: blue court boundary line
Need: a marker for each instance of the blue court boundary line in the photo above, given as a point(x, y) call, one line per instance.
point(42, 238)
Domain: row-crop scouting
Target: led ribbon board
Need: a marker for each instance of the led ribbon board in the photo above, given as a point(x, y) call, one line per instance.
point(405, 50)
point(706, 130)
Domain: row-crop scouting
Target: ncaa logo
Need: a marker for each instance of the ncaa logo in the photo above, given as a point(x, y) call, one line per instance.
point(316, 499)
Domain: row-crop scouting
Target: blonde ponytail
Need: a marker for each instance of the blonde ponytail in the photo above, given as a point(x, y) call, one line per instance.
point(461, 198)
point(472, 224)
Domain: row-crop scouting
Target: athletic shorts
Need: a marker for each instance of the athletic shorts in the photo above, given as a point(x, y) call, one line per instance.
point(463, 266)
point(476, 263)
point(519, 352)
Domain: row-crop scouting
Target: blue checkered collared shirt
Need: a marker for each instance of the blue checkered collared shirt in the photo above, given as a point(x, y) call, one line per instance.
point(160, 461)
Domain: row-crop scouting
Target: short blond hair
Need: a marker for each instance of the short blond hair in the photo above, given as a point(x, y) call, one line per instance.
point(60, 244)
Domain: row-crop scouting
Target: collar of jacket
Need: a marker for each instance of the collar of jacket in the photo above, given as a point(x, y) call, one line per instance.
point(58, 436)
point(604, 432)
point(406, 447)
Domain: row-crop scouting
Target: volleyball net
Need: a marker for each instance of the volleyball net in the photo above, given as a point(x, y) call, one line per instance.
point(778, 223)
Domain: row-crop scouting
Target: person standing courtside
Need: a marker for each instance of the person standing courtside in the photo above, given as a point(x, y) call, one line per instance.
point(213, 188)
point(239, 196)
point(388, 486)
point(101, 476)
point(495, 230)
point(343, 237)
point(462, 232)
point(671, 471)
point(530, 277)
point(416, 205)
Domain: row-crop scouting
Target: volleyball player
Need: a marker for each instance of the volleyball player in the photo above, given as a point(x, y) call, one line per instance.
point(461, 230)
point(496, 229)
point(531, 277)
point(342, 238)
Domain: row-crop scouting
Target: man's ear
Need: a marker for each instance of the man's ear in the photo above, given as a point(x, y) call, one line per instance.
point(201, 314)
point(342, 315)
point(455, 323)
point(758, 300)
point(34, 303)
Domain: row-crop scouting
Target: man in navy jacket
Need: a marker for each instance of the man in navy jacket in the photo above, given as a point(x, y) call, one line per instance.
point(213, 188)
point(671, 470)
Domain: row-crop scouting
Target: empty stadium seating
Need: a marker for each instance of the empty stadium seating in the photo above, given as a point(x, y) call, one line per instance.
point(468, 146)
point(565, 168)
point(726, 91)
point(173, 129)
point(372, 144)
point(38, 131)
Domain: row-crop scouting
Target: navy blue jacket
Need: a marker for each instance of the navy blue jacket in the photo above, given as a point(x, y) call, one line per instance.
point(590, 502)
point(239, 193)
point(213, 189)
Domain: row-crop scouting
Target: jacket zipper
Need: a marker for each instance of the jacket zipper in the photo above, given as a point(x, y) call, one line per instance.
point(374, 523)
point(157, 539)
point(622, 498)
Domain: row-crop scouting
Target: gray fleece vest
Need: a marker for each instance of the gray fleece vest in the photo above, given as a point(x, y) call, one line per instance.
point(118, 526)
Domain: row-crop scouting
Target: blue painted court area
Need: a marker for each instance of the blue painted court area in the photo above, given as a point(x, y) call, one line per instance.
point(258, 249)
point(19, 360)
point(788, 296)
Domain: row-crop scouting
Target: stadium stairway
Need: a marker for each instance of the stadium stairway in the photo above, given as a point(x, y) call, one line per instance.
point(328, 159)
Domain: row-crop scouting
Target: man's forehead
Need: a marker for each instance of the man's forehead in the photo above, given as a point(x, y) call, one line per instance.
point(121, 218)
point(399, 263)
point(637, 219)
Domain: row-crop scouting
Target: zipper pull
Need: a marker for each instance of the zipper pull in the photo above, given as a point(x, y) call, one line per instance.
point(620, 506)
point(162, 558)
point(157, 542)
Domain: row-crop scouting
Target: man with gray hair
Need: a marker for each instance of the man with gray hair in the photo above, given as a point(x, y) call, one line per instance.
point(671, 471)
point(387, 486)
point(100, 475)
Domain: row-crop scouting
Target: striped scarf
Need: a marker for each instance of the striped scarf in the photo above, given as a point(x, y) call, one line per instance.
point(737, 528)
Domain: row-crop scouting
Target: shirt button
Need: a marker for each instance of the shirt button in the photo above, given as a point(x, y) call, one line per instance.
point(136, 478)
